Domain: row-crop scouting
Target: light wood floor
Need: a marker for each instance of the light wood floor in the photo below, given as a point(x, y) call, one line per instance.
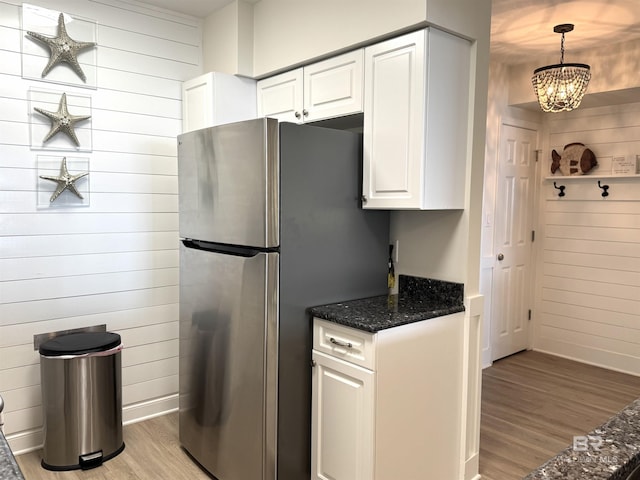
point(151, 452)
point(532, 406)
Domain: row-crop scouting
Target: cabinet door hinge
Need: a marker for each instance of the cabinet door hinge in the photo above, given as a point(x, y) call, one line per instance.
point(538, 153)
point(529, 315)
point(533, 236)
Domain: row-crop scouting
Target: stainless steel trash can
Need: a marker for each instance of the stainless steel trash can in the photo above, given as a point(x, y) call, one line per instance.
point(81, 400)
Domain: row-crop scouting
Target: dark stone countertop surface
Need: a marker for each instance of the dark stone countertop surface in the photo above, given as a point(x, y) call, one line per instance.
point(9, 469)
point(609, 452)
point(419, 299)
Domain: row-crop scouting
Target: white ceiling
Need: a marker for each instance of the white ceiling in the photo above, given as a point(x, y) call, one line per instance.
point(195, 8)
point(521, 30)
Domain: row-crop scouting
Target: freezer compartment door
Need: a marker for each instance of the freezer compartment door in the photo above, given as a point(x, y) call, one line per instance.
point(228, 178)
point(228, 362)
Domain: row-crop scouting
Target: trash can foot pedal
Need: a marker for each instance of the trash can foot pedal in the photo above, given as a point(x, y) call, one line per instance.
point(90, 460)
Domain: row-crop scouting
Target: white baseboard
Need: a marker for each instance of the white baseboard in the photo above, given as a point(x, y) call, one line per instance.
point(471, 468)
point(25, 442)
point(28, 441)
point(146, 410)
point(591, 356)
point(486, 358)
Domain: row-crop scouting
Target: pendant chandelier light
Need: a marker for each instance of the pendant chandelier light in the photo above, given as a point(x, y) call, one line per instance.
point(561, 86)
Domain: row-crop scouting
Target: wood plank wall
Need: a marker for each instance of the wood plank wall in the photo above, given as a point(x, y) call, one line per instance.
point(115, 261)
point(588, 305)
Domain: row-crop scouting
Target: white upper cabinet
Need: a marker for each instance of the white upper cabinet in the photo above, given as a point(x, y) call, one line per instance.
point(281, 96)
point(416, 122)
point(216, 98)
point(333, 88)
point(327, 89)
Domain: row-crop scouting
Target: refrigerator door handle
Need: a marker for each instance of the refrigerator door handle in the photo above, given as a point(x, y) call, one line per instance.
point(221, 248)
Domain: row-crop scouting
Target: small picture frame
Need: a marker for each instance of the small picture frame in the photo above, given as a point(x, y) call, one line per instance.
point(50, 165)
point(40, 125)
point(36, 55)
point(624, 165)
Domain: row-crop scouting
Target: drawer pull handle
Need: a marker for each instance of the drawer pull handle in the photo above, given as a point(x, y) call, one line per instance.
point(340, 344)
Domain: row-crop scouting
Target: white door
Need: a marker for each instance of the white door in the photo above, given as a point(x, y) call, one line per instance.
point(512, 290)
point(341, 420)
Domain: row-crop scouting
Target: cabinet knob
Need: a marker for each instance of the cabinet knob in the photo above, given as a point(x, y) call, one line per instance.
point(297, 114)
point(305, 112)
point(313, 363)
point(364, 198)
point(500, 257)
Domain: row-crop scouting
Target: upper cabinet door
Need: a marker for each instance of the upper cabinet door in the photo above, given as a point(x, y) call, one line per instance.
point(394, 122)
point(416, 122)
point(281, 97)
point(333, 88)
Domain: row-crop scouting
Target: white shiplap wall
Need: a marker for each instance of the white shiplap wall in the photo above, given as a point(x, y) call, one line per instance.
point(589, 269)
point(114, 262)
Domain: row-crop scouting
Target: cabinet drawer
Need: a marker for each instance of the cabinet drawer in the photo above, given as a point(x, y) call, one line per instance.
point(347, 343)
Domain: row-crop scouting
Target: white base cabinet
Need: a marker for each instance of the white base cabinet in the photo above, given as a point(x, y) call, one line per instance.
point(387, 405)
point(343, 413)
point(322, 90)
point(416, 119)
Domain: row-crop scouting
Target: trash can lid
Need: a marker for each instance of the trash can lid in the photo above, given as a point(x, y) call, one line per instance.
point(79, 343)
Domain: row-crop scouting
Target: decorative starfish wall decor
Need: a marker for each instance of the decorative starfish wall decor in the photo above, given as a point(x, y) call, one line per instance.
point(62, 48)
point(65, 181)
point(62, 120)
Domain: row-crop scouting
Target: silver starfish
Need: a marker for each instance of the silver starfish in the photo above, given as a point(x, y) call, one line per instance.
point(62, 48)
point(62, 120)
point(65, 181)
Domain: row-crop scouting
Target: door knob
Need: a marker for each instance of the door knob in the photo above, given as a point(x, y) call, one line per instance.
point(500, 257)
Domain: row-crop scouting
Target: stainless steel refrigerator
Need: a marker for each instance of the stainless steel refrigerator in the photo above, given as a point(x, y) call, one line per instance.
point(270, 224)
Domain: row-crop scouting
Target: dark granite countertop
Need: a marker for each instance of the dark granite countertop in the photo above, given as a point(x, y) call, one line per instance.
point(419, 299)
point(610, 452)
point(9, 469)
